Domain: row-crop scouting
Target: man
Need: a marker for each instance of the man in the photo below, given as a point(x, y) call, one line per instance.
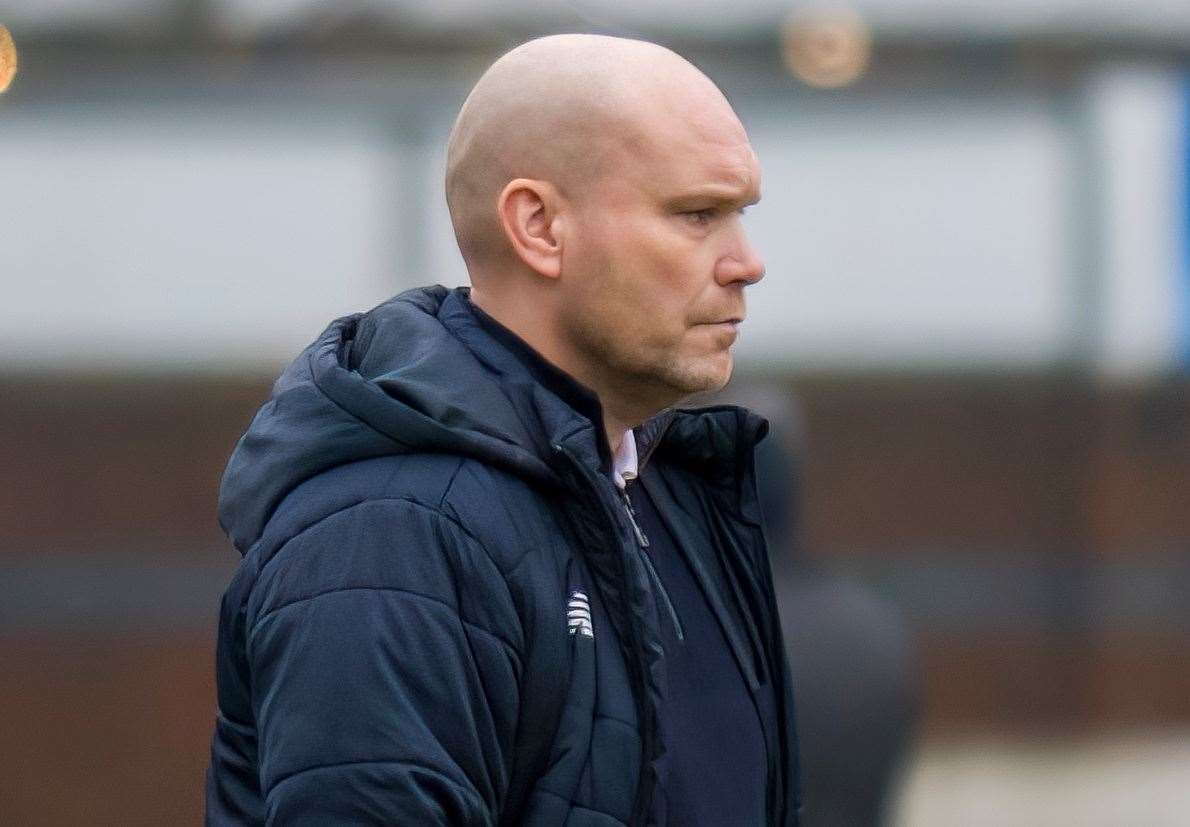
point(490, 575)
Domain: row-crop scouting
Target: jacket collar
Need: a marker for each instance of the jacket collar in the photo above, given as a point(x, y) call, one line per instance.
point(558, 410)
point(581, 400)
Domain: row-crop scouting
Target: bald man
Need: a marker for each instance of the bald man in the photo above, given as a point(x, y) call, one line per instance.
point(491, 574)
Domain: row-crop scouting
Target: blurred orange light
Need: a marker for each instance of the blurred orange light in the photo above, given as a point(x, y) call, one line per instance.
point(8, 59)
point(826, 48)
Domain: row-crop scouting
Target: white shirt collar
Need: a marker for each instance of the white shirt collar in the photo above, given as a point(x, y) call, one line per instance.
point(624, 463)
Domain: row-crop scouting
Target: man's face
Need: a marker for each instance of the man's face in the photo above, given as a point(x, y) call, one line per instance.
point(657, 260)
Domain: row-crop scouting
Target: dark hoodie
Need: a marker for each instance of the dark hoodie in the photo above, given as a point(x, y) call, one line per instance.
point(421, 523)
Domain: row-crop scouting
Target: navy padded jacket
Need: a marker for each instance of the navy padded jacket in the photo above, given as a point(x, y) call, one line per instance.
point(415, 516)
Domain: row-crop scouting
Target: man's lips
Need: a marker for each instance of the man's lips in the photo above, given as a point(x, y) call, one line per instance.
point(728, 328)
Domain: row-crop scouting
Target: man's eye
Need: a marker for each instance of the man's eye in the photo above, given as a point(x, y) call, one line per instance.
point(700, 217)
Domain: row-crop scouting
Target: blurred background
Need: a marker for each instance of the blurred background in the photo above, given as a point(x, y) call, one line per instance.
point(974, 331)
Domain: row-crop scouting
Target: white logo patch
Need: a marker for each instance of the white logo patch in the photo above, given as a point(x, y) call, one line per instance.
point(578, 615)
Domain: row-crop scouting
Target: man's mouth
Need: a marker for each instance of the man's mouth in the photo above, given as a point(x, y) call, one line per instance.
point(728, 328)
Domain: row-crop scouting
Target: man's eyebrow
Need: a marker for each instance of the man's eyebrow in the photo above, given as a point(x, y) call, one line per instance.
point(729, 196)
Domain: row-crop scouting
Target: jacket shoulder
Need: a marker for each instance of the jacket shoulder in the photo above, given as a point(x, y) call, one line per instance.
point(401, 511)
point(379, 525)
point(422, 478)
point(500, 510)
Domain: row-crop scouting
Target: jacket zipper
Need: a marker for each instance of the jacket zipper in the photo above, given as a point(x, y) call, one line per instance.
point(658, 586)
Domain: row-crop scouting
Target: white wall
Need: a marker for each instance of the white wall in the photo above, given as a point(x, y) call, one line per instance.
point(159, 238)
point(1140, 116)
point(936, 235)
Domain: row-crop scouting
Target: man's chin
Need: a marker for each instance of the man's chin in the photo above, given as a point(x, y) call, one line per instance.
point(705, 378)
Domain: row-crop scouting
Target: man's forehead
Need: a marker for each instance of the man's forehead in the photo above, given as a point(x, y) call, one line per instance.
point(678, 132)
point(738, 168)
point(697, 164)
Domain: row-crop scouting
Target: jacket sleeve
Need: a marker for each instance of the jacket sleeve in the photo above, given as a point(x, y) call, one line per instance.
point(384, 650)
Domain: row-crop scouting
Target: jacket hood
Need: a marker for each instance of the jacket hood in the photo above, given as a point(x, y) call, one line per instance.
point(392, 381)
point(419, 374)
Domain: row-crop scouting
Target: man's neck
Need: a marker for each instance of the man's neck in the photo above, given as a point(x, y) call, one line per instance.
point(614, 432)
point(617, 421)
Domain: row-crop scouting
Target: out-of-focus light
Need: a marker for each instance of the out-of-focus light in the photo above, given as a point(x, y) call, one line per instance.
point(8, 59)
point(827, 48)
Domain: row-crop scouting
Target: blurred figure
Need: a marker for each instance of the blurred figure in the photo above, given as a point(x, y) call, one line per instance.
point(851, 654)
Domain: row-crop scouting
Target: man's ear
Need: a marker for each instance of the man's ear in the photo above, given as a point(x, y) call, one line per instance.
point(529, 215)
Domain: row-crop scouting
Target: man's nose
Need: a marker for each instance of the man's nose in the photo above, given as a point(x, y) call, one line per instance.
point(743, 264)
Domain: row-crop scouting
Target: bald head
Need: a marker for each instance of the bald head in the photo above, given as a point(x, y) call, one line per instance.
point(564, 109)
